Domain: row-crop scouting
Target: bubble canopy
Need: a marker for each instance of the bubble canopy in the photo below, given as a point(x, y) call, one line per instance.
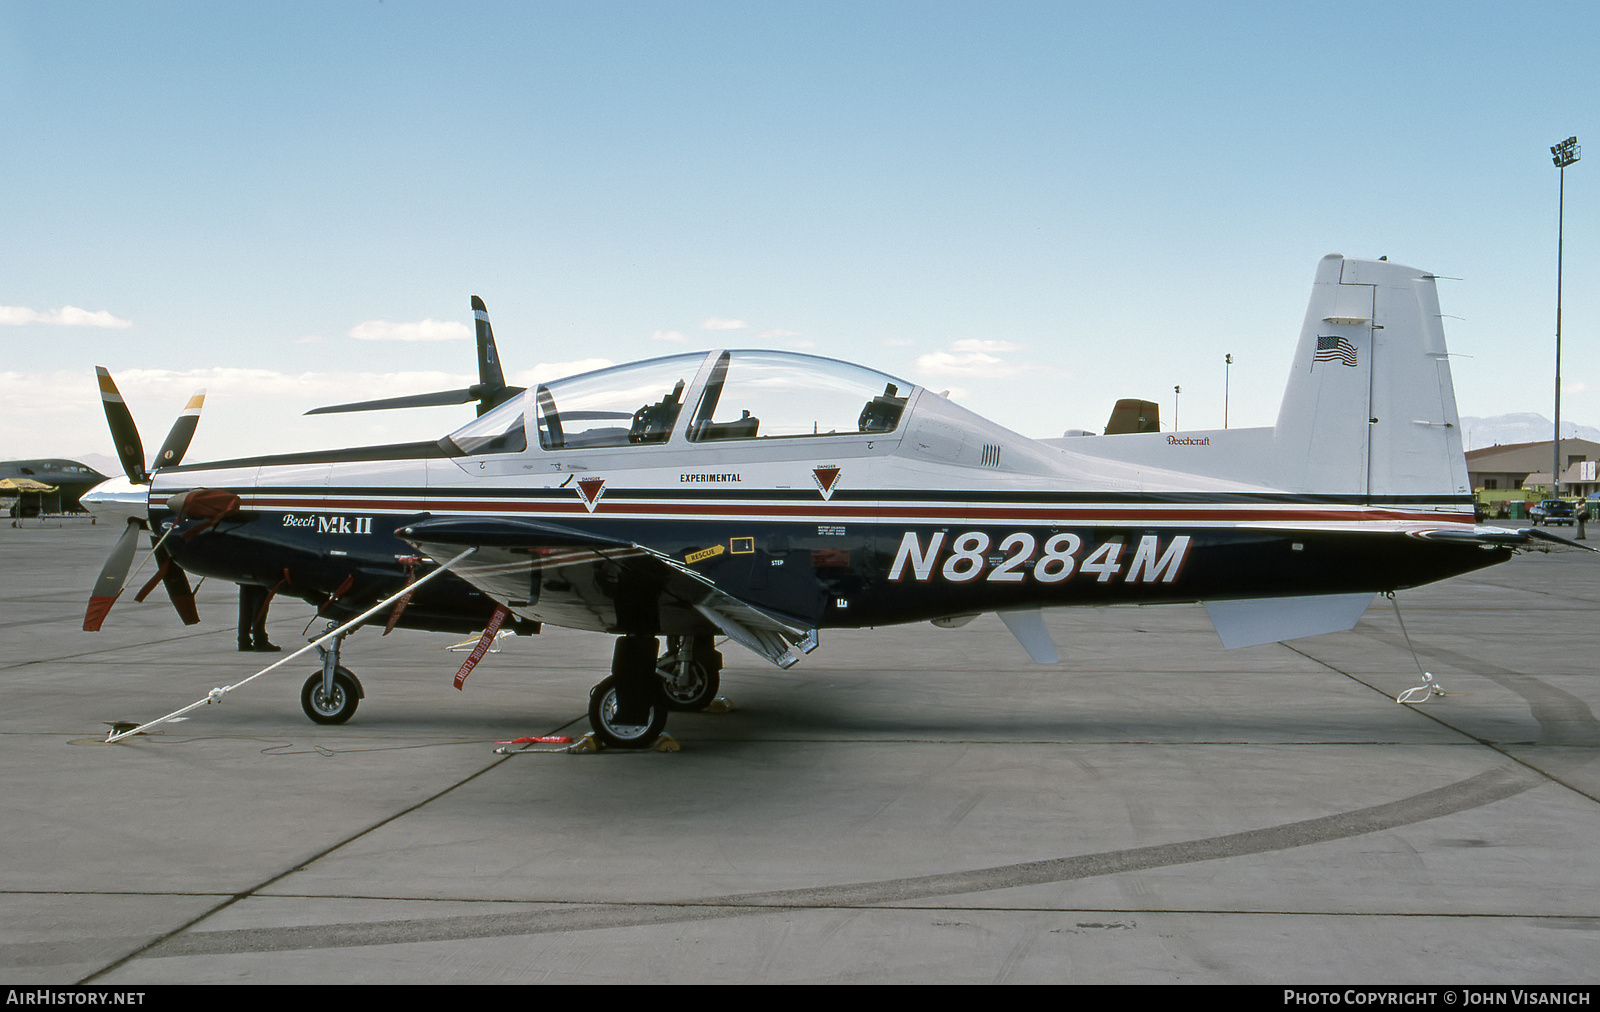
point(736, 395)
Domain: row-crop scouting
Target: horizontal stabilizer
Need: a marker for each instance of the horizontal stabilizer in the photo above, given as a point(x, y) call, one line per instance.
point(1555, 540)
point(1254, 621)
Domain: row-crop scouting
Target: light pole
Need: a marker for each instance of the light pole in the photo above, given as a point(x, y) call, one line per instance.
point(1563, 154)
point(1227, 375)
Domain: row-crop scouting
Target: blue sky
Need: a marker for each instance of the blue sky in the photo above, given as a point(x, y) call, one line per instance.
point(1042, 207)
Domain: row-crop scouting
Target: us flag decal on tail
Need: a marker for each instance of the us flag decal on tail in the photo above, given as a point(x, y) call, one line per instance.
point(1335, 349)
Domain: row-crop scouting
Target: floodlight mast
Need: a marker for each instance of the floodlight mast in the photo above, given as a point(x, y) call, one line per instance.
point(1563, 155)
point(1227, 376)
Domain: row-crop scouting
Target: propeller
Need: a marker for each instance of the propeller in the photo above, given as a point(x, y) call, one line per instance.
point(490, 391)
point(130, 451)
point(130, 448)
point(113, 575)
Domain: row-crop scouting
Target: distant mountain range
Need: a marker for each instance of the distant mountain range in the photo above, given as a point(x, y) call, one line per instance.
point(1518, 427)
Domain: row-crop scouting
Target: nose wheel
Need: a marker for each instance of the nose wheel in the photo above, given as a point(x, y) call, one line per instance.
point(330, 696)
point(331, 705)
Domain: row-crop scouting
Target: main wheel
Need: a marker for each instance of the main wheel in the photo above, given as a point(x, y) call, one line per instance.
point(691, 690)
point(604, 705)
point(334, 707)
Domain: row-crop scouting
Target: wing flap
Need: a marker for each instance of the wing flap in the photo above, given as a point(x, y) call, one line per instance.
point(565, 576)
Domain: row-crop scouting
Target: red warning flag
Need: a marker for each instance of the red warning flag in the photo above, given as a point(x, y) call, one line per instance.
point(482, 648)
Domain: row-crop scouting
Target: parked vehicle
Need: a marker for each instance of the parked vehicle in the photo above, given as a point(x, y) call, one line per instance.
point(1552, 512)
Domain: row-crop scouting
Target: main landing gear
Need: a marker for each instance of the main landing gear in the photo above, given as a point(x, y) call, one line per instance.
point(330, 696)
point(690, 672)
point(629, 709)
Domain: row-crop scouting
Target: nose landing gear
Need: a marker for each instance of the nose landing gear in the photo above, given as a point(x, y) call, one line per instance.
point(330, 696)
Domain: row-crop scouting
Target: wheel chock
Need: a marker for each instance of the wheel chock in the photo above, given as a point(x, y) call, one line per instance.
point(589, 744)
point(719, 705)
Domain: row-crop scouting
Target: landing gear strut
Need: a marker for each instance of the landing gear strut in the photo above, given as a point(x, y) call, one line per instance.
point(629, 709)
point(690, 672)
point(330, 696)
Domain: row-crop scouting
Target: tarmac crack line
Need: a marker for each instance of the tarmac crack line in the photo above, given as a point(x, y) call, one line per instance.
point(1482, 789)
point(1553, 709)
point(247, 893)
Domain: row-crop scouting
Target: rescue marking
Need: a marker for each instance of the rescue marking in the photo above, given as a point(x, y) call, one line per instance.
point(703, 554)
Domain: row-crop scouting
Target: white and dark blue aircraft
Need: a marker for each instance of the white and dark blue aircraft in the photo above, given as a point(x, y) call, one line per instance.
point(765, 497)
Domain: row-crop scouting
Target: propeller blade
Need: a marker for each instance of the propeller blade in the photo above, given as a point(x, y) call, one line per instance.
point(182, 595)
point(113, 575)
point(177, 584)
point(409, 401)
point(123, 432)
point(172, 451)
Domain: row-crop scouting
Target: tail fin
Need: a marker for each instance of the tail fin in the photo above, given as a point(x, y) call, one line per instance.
point(1133, 415)
point(1370, 407)
point(491, 389)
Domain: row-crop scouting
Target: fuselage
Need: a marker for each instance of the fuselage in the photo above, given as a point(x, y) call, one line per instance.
point(857, 500)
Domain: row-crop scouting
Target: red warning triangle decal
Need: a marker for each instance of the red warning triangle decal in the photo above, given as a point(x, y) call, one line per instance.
point(827, 479)
point(589, 490)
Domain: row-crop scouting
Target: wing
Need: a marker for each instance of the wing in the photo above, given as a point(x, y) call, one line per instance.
point(579, 580)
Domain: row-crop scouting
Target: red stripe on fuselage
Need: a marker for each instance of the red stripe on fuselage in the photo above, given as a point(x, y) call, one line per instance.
point(619, 508)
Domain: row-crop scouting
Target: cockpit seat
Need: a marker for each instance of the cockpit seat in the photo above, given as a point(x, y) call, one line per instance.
point(653, 422)
point(882, 413)
point(743, 428)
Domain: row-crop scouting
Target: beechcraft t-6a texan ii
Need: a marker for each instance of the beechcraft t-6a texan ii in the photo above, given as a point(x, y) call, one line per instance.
point(764, 496)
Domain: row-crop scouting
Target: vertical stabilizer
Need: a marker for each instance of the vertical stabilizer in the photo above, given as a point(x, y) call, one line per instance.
point(491, 389)
point(1370, 408)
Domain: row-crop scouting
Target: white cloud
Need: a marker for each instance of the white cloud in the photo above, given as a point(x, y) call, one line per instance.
point(966, 365)
point(427, 330)
point(544, 372)
point(718, 323)
point(976, 345)
point(66, 316)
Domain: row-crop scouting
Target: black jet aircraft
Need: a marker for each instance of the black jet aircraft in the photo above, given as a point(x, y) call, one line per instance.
point(765, 496)
point(70, 479)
